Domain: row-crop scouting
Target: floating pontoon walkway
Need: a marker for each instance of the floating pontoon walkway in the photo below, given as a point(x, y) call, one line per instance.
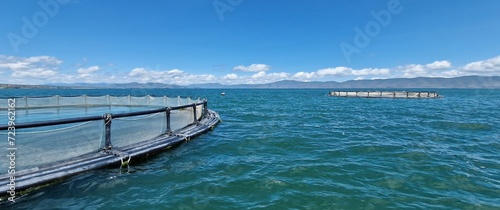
point(47, 151)
point(385, 94)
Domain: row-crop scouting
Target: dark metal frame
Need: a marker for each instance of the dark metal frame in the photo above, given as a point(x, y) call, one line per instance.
point(110, 156)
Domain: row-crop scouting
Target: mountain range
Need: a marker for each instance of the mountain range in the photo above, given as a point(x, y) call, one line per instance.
point(419, 82)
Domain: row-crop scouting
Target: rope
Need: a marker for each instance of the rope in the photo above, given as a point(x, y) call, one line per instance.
point(122, 155)
point(186, 137)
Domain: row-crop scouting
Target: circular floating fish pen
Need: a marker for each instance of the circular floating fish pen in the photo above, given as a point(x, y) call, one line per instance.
point(385, 94)
point(55, 137)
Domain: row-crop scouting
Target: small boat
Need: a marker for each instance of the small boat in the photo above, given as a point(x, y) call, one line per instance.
point(222, 94)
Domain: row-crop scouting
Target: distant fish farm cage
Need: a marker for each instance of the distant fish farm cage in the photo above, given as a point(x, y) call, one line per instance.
point(55, 137)
point(385, 94)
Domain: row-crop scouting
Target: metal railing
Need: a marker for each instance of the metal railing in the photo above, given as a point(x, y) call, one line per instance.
point(108, 119)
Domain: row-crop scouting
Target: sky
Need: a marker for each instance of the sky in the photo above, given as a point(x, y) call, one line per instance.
point(186, 42)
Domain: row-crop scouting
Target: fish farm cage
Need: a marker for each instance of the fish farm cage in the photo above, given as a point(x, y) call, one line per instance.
point(385, 94)
point(50, 138)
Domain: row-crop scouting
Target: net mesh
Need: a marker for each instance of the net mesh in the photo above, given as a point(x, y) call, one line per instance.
point(71, 101)
point(42, 102)
point(131, 130)
point(158, 101)
point(119, 100)
point(138, 101)
point(181, 118)
point(385, 94)
point(44, 145)
point(58, 101)
point(199, 111)
point(96, 100)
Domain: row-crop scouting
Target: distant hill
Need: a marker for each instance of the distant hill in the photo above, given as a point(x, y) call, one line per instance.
point(419, 82)
point(16, 86)
point(425, 82)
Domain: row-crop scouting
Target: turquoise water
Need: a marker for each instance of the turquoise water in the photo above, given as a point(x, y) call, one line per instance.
point(300, 149)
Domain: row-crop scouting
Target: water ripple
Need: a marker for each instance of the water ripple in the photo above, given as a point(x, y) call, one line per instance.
point(298, 149)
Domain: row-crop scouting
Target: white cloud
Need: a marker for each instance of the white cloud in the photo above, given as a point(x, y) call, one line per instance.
point(433, 69)
point(252, 68)
point(47, 69)
point(138, 72)
point(337, 71)
point(263, 77)
point(174, 76)
point(489, 65)
point(304, 75)
point(48, 60)
point(341, 71)
point(451, 73)
point(231, 76)
point(14, 65)
point(371, 71)
point(439, 65)
point(34, 73)
point(146, 75)
point(257, 78)
point(413, 70)
point(261, 74)
point(40, 67)
point(444, 69)
point(88, 70)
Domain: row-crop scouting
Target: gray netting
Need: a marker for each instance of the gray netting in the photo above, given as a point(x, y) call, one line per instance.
point(199, 111)
point(45, 145)
point(181, 118)
point(40, 102)
point(71, 101)
point(58, 101)
point(119, 100)
point(95, 101)
point(385, 94)
point(131, 130)
point(158, 101)
point(139, 101)
point(49, 144)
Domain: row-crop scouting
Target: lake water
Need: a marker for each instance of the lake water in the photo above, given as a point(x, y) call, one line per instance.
point(300, 149)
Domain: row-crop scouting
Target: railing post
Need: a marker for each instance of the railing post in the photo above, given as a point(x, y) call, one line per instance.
point(194, 114)
point(107, 123)
point(169, 128)
point(205, 108)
